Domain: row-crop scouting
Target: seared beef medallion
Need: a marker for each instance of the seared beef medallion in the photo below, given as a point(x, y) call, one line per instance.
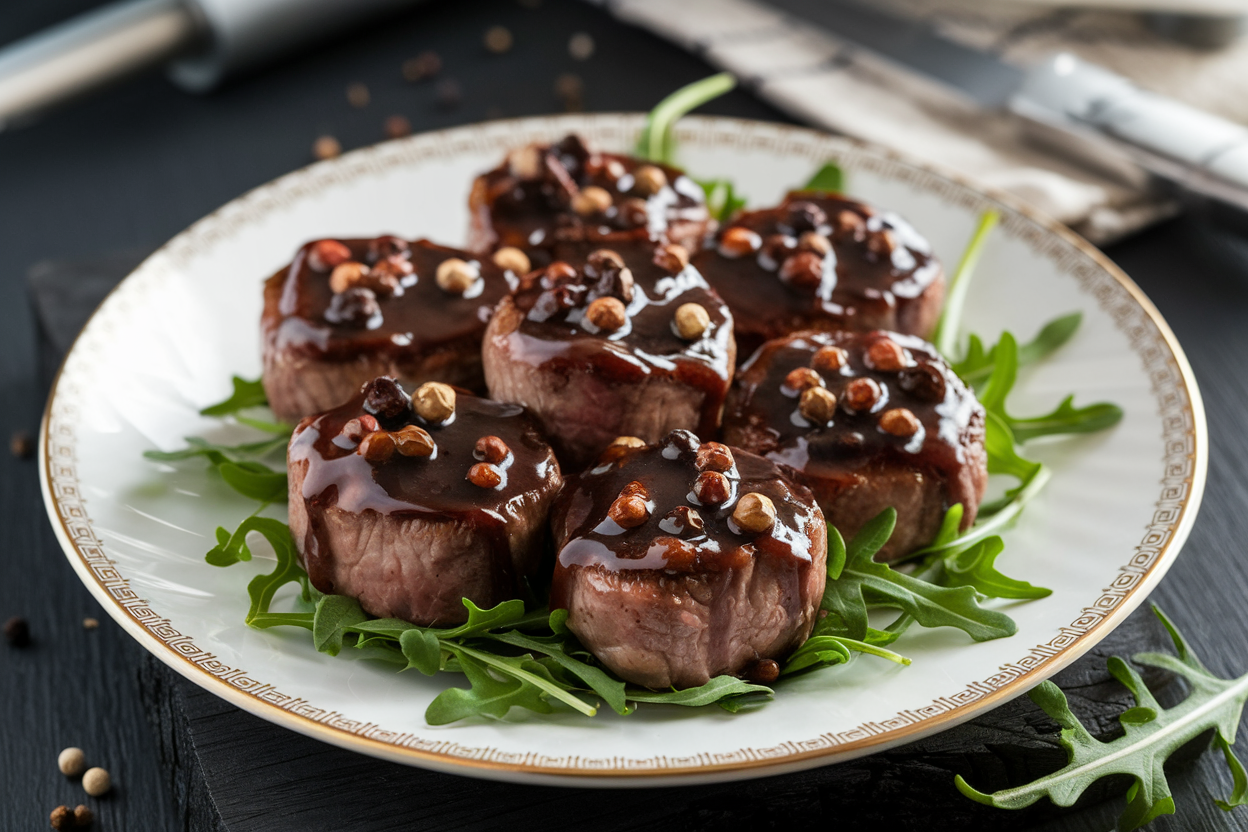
point(347, 311)
point(627, 341)
point(687, 560)
point(821, 261)
point(866, 421)
point(410, 505)
point(546, 194)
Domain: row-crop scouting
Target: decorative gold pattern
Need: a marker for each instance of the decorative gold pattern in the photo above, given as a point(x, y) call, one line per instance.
point(1182, 477)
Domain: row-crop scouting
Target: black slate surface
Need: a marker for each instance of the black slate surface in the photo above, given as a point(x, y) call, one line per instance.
point(134, 166)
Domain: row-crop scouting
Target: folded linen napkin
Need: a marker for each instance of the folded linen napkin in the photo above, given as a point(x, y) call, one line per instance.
point(821, 80)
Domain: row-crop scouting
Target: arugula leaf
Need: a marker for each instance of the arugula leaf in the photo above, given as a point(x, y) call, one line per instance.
point(479, 621)
point(1150, 735)
point(977, 364)
point(213, 452)
point(489, 695)
point(829, 650)
point(611, 690)
point(1239, 793)
point(1066, 418)
point(265, 620)
point(656, 142)
point(255, 480)
point(422, 650)
point(252, 479)
point(282, 428)
point(946, 335)
point(262, 588)
point(246, 394)
point(864, 582)
point(525, 670)
point(828, 179)
point(975, 567)
point(714, 691)
point(722, 200)
point(334, 614)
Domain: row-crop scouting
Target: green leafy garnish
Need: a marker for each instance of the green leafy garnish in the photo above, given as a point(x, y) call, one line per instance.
point(975, 567)
point(657, 141)
point(239, 465)
point(862, 583)
point(946, 336)
point(828, 179)
point(722, 200)
point(1066, 418)
point(246, 394)
point(1151, 734)
point(510, 656)
point(977, 364)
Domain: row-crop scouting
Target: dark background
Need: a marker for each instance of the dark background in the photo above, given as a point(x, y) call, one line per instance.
point(131, 167)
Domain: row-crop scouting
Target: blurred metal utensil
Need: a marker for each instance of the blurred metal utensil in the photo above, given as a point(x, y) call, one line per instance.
point(205, 41)
point(1087, 112)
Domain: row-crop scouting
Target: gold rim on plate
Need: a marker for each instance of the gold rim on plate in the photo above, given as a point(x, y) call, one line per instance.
point(1173, 385)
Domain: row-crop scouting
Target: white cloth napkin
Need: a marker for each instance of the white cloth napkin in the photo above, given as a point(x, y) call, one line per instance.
point(824, 82)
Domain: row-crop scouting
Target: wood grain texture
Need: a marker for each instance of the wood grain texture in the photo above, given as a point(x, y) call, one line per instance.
point(134, 166)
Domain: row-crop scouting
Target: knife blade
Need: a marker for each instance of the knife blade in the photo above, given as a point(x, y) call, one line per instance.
point(1087, 112)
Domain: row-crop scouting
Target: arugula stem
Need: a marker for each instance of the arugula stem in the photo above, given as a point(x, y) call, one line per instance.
point(655, 142)
point(946, 337)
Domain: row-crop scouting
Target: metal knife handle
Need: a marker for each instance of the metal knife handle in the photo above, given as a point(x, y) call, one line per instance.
point(89, 51)
point(1180, 143)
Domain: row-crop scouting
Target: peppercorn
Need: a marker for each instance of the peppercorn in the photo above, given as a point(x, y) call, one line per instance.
point(425, 65)
point(581, 46)
point(72, 762)
point(17, 631)
point(62, 818)
point(484, 475)
point(21, 445)
point(358, 96)
point(396, 127)
point(692, 320)
point(326, 147)
point(498, 39)
point(96, 782)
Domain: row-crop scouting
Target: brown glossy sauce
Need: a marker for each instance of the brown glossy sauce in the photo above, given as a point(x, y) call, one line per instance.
point(681, 535)
point(859, 284)
point(557, 335)
point(534, 214)
point(418, 319)
point(435, 487)
point(767, 410)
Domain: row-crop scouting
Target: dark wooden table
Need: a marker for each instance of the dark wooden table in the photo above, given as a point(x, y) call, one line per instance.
point(130, 168)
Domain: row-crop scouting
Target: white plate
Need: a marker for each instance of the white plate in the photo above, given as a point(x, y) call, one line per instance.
point(166, 341)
